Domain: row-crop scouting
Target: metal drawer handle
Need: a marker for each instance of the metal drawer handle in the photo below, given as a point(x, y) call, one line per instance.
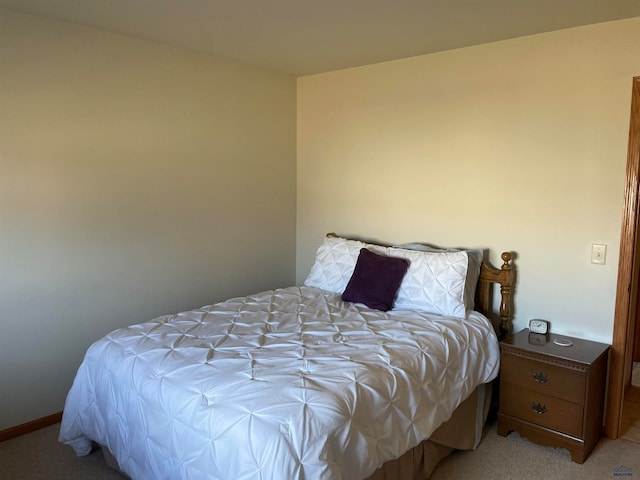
point(540, 377)
point(538, 408)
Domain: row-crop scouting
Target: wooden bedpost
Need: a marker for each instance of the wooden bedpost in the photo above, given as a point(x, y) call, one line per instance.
point(505, 295)
point(503, 276)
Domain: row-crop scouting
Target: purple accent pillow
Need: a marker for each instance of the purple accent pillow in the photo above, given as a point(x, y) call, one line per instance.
point(375, 280)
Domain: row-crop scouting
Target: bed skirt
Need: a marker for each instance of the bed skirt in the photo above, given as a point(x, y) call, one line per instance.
point(463, 431)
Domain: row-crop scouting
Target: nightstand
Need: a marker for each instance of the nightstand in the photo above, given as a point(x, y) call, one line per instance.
point(553, 395)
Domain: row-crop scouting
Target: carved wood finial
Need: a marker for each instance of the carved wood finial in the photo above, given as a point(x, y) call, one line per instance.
point(503, 277)
point(505, 294)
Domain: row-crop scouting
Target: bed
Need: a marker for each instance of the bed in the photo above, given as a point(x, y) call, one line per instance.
point(376, 368)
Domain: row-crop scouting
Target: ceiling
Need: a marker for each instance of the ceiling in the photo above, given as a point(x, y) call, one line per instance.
point(302, 37)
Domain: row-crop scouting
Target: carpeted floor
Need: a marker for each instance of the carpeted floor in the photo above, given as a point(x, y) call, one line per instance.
point(39, 456)
point(514, 457)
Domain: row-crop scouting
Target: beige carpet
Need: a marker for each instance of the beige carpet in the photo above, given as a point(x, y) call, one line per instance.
point(514, 457)
point(38, 456)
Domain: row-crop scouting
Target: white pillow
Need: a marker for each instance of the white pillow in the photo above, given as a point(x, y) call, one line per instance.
point(473, 271)
point(435, 282)
point(334, 264)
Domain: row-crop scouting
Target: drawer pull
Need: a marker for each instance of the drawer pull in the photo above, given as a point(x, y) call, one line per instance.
point(538, 408)
point(540, 377)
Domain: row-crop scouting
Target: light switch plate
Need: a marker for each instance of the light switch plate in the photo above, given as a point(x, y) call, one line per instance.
point(598, 253)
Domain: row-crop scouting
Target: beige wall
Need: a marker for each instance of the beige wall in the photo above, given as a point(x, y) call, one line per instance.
point(135, 180)
point(518, 145)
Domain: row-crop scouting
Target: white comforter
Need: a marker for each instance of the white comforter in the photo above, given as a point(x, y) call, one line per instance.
point(285, 384)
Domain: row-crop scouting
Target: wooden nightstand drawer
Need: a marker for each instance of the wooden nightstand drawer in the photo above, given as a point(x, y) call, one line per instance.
point(544, 410)
point(552, 380)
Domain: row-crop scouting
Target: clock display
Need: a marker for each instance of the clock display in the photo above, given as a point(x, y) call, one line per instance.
point(538, 326)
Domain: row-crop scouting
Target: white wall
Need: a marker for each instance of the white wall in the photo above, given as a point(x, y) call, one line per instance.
point(135, 180)
point(517, 145)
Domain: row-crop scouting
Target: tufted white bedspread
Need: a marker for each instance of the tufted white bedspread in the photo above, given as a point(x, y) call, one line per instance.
point(284, 384)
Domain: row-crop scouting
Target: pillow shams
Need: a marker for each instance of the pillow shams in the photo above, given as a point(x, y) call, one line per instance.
point(441, 282)
point(473, 271)
point(375, 280)
point(435, 282)
point(334, 264)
